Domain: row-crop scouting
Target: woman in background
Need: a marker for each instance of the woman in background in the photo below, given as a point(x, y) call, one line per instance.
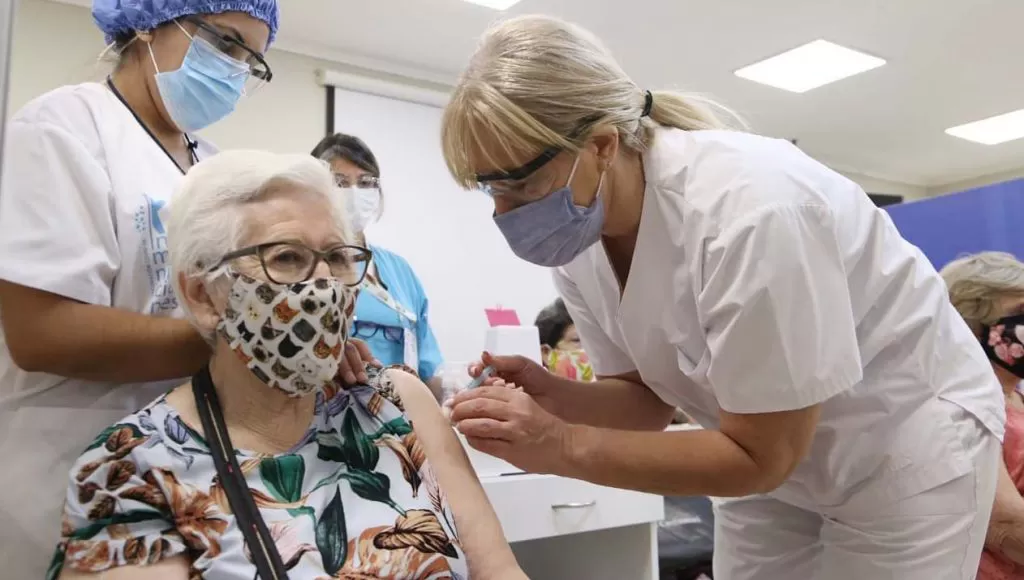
point(91, 329)
point(391, 312)
point(560, 345)
point(988, 291)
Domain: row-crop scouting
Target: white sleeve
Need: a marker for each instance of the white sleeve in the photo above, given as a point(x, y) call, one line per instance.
point(607, 358)
point(56, 228)
point(775, 305)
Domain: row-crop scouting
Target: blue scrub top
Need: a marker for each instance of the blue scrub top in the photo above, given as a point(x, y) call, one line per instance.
point(405, 287)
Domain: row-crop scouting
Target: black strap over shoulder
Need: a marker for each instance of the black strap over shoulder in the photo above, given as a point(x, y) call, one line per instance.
point(265, 556)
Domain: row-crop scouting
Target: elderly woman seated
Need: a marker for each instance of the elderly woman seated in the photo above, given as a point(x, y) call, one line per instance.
point(988, 291)
point(261, 466)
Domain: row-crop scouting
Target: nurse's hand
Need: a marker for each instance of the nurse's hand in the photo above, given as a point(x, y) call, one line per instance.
point(352, 370)
point(510, 425)
point(521, 372)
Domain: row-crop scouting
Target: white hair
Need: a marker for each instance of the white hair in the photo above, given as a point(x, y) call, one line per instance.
point(537, 82)
point(203, 219)
point(977, 282)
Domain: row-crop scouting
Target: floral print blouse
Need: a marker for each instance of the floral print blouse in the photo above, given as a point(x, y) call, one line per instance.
point(355, 499)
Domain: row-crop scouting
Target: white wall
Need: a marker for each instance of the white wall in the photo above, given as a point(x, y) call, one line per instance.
point(445, 233)
point(57, 44)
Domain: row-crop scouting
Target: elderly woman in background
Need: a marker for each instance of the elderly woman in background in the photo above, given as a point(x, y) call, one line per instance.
point(988, 291)
point(261, 466)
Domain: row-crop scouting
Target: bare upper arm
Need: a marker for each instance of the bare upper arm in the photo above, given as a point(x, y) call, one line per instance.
point(776, 442)
point(176, 568)
point(487, 551)
point(445, 452)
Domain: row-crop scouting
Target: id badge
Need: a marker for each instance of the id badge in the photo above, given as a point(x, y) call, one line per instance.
point(412, 359)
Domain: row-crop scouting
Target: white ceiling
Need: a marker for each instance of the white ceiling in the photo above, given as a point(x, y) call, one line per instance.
point(949, 62)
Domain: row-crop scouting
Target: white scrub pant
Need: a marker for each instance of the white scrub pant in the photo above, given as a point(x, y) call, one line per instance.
point(938, 533)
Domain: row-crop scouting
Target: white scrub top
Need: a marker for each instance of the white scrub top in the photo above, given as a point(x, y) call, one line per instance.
point(762, 281)
point(82, 186)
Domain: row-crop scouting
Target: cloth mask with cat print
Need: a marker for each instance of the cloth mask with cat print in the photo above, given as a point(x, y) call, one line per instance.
point(291, 336)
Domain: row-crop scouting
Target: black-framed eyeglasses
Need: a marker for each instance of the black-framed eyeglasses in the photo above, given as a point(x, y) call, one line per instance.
point(489, 182)
point(236, 49)
point(291, 262)
point(363, 182)
point(367, 329)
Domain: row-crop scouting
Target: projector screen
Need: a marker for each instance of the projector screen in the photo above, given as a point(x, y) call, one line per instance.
point(445, 232)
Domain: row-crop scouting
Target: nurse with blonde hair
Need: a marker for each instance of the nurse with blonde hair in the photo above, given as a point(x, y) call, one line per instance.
point(848, 410)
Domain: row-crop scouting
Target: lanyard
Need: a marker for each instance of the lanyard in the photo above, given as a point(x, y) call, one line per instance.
point(377, 291)
point(410, 341)
point(265, 556)
point(189, 143)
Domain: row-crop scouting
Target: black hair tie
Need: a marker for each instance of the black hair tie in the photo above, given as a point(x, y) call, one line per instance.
point(648, 103)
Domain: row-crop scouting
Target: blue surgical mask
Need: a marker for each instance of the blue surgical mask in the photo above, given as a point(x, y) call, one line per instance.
point(204, 89)
point(553, 230)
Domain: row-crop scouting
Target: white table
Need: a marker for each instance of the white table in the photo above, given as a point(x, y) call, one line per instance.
point(567, 529)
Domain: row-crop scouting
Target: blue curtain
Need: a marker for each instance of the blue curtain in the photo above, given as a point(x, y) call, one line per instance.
point(983, 219)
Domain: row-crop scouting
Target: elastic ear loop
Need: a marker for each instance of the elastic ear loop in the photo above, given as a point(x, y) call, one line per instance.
point(149, 45)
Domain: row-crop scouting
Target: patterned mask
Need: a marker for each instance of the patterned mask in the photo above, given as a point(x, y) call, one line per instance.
point(570, 364)
point(290, 336)
point(1004, 343)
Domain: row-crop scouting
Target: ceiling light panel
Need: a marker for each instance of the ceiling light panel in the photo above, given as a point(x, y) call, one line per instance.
point(495, 4)
point(992, 131)
point(810, 66)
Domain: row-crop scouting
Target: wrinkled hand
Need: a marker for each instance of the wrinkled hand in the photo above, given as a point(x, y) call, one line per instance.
point(510, 425)
point(352, 370)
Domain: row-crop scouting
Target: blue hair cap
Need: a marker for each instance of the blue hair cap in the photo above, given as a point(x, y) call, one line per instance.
point(116, 17)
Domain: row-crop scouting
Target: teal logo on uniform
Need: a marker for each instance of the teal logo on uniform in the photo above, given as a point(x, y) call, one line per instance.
point(154, 216)
point(153, 239)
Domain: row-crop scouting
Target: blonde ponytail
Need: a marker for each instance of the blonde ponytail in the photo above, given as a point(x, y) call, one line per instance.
point(691, 112)
point(537, 82)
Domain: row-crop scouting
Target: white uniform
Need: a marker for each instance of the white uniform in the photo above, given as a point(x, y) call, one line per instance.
point(81, 187)
point(763, 281)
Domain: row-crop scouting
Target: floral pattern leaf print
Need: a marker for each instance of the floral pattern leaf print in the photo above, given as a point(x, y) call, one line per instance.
point(331, 537)
point(418, 529)
point(115, 436)
point(360, 452)
point(367, 561)
point(358, 502)
point(197, 517)
point(287, 539)
point(410, 454)
point(372, 486)
point(283, 477)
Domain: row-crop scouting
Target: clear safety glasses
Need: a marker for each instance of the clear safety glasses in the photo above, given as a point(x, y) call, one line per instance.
point(363, 182)
point(234, 47)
